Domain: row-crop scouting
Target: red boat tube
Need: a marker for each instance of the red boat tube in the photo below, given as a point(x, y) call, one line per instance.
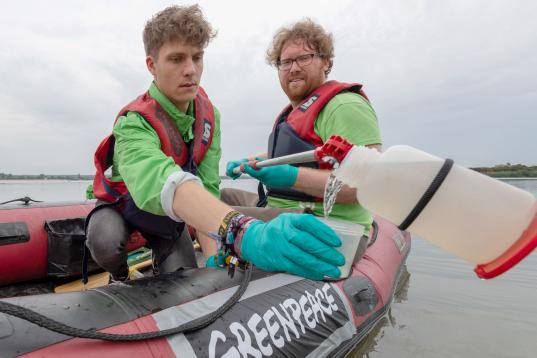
point(279, 315)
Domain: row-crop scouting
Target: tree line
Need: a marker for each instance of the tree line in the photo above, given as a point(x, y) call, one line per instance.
point(509, 170)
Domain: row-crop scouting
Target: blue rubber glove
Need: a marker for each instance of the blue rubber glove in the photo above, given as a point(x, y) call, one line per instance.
point(297, 243)
point(277, 176)
point(232, 165)
point(212, 262)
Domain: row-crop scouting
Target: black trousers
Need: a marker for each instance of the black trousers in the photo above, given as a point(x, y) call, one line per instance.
point(108, 229)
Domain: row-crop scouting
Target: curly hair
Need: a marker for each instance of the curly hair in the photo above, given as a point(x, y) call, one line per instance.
point(177, 22)
point(308, 31)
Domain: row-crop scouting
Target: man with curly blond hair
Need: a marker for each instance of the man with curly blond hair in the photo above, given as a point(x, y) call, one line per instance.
point(164, 152)
point(303, 54)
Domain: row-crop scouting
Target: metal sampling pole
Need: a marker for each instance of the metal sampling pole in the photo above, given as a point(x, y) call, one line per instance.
point(304, 157)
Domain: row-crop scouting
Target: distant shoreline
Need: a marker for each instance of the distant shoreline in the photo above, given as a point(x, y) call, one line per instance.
point(41, 177)
point(44, 177)
point(509, 171)
point(14, 181)
point(501, 171)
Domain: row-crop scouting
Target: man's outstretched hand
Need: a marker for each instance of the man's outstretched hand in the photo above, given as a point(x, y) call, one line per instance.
point(296, 243)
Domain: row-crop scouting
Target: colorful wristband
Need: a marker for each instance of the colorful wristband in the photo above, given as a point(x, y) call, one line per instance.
point(231, 229)
point(224, 226)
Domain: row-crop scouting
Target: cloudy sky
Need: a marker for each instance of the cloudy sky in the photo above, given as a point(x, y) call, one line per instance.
point(454, 78)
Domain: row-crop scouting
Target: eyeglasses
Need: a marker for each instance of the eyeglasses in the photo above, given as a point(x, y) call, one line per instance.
point(301, 61)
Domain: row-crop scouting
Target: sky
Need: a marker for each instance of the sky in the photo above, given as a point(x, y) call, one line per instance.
point(455, 78)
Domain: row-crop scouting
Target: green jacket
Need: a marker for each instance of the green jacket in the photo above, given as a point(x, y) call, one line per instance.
point(141, 164)
point(350, 116)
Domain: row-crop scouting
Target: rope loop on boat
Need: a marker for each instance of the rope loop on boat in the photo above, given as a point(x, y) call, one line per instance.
point(25, 200)
point(194, 325)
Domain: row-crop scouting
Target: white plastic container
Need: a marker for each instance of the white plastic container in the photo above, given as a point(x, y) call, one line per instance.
point(480, 219)
point(350, 235)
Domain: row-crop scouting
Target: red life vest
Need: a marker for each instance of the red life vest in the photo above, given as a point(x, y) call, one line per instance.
point(294, 131)
point(171, 141)
point(302, 118)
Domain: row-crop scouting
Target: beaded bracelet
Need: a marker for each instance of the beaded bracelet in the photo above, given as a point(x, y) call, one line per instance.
point(224, 226)
point(230, 230)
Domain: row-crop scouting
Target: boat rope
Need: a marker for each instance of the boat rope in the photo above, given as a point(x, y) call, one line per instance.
point(26, 200)
point(191, 326)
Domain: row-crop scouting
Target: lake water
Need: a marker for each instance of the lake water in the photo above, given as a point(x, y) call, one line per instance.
point(443, 310)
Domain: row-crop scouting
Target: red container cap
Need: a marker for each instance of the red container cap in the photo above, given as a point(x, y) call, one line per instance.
point(518, 251)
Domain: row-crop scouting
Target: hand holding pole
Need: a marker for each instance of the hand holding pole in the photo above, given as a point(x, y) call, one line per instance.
point(329, 155)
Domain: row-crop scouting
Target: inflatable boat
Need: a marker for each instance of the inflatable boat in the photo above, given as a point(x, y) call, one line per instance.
point(278, 315)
